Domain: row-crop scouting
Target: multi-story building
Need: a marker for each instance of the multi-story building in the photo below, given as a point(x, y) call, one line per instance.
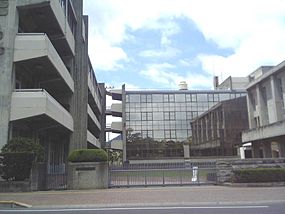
point(48, 88)
point(231, 83)
point(159, 120)
point(217, 132)
point(266, 112)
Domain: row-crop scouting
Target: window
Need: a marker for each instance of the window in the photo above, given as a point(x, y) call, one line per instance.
point(134, 98)
point(165, 98)
point(71, 18)
point(167, 134)
point(166, 115)
point(171, 115)
point(158, 134)
point(216, 97)
point(157, 98)
point(194, 97)
point(280, 89)
point(188, 97)
point(143, 98)
point(202, 97)
point(148, 98)
point(127, 116)
point(210, 97)
point(256, 122)
point(149, 115)
point(83, 30)
point(135, 116)
point(224, 97)
point(144, 116)
point(179, 97)
point(171, 98)
point(264, 95)
point(180, 115)
point(157, 116)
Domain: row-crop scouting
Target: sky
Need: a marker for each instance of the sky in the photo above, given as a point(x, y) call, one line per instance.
point(156, 44)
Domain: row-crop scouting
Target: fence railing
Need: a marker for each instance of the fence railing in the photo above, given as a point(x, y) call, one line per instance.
point(162, 174)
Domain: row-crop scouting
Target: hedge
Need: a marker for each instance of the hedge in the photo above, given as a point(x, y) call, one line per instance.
point(17, 165)
point(258, 175)
point(88, 155)
point(22, 144)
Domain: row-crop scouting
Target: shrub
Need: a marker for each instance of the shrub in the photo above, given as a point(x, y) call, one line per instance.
point(88, 155)
point(18, 156)
point(21, 144)
point(259, 175)
point(17, 165)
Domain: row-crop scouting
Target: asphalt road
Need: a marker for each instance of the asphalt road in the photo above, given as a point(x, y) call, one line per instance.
point(277, 208)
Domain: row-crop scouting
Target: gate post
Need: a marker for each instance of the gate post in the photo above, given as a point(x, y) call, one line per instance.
point(163, 178)
point(180, 176)
point(128, 179)
point(145, 179)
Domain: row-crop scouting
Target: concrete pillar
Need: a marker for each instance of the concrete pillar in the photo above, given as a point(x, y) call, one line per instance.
point(267, 153)
point(8, 29)
point(261, 107)
point(281, 142)
point(250, 109)
point(256, 150)
point(124, 133)
point(79, 100)
point(276, 109)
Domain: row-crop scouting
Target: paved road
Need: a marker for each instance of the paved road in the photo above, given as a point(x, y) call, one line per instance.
point(275, 208)
point(171, 196)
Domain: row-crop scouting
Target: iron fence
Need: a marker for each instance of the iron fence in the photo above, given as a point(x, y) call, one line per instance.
point(163, 174)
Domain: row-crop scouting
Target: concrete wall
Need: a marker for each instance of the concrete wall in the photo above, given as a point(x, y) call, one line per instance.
point(87, 175)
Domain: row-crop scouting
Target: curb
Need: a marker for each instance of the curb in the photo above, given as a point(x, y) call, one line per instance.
point(263, 184)
point(138, 205)
point(14, 204)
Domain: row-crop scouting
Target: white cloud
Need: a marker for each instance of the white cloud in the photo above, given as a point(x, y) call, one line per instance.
point(163, 74)
point(165, 53)
point(253, 29)
point(105, 56)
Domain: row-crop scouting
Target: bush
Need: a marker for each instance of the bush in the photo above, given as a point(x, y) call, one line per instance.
point(259, 175)
point(17, 165)
point(18, 156)
point(88, 155)
point(21, 144)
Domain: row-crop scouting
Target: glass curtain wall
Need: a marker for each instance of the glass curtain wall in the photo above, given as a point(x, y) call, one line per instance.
point(160, 121)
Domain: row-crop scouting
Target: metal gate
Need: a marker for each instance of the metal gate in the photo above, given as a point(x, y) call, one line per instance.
point(56, 177)
point(163, 174)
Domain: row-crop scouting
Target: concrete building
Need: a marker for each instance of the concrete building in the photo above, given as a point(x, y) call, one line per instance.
point(48, 88)
point(217, 132)
point(266, 112)
point(231, 83)
point(159, 120)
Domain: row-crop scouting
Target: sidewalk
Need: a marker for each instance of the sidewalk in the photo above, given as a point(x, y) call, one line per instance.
point(157, 196)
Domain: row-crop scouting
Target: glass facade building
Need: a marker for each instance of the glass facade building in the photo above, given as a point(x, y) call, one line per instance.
point(164, 116)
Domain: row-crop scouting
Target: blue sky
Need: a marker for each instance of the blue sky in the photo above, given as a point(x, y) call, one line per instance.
point(155, 44)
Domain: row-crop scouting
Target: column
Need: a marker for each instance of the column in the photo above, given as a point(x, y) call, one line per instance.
point(261, 108)
point(267, 153)
point(255, 150)
point(281, 142)
point(8, 30)
point(276, 106)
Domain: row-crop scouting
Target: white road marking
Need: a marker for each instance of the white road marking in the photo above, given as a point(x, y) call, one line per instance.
point(130, 208)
